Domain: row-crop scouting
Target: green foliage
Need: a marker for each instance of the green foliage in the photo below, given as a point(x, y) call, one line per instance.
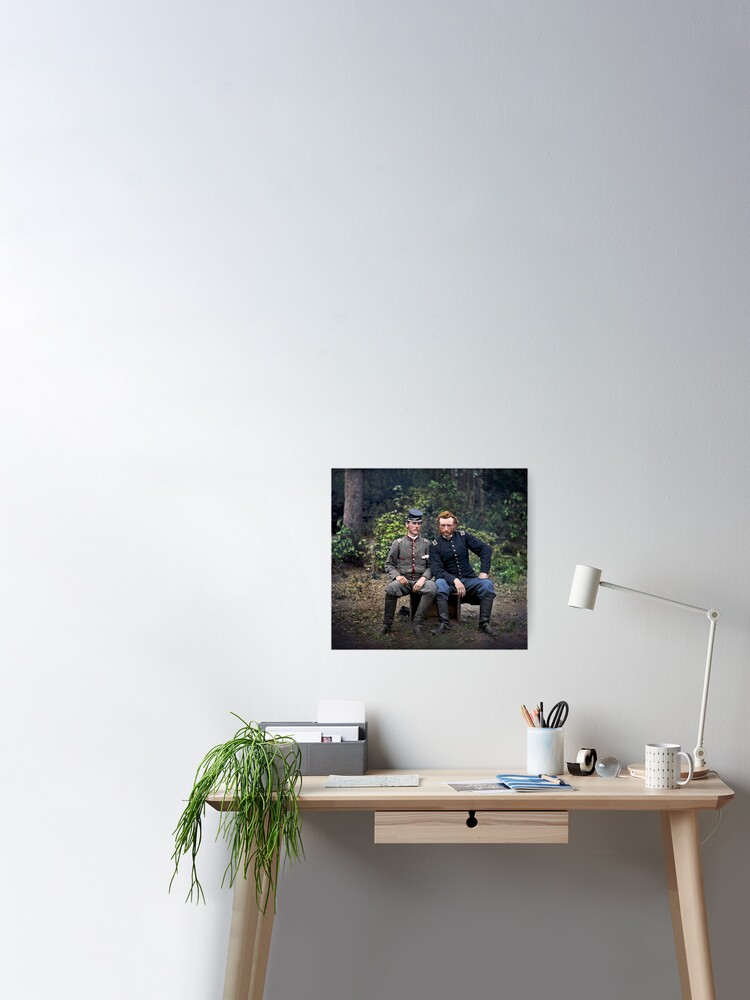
point(515, 517)
point(258, 777)
point(490, 504)
point(346, 547)
point(387, 528)
point(471, 493)
point(437, 495)
point(510, 570)
point(483, 536)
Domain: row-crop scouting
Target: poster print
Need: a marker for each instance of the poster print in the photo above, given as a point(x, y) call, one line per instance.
point(428, 558)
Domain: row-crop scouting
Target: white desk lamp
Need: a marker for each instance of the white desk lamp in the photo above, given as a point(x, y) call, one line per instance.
point(586, 583)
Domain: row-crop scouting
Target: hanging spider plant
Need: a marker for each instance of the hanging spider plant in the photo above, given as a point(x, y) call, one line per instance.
point(255, 780)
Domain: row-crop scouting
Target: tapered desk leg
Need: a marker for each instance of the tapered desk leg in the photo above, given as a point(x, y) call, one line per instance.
point(249, 944)
point(687, 903)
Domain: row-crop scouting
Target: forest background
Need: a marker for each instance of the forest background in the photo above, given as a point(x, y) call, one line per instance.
point(368, 511)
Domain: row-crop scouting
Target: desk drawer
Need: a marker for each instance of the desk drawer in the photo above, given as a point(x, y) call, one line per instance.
point(460, 828)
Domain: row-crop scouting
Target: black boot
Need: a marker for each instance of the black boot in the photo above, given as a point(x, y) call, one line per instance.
point(442, 608)
point(485, 613)
point(388, 613)
point(425, 603)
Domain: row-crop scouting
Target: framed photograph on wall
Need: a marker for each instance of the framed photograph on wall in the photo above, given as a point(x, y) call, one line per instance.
point(429, 558)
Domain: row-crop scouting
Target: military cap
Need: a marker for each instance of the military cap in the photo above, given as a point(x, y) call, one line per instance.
point(414, 515)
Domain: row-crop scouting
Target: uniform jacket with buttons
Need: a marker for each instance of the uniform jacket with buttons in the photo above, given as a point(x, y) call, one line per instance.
point(449, 558)
point(410, 558)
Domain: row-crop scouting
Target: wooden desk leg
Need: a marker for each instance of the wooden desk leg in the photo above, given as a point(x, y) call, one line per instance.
point(249, 944)
point(687, 903)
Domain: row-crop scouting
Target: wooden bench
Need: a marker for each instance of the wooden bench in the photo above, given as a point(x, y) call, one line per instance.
point(454, 607)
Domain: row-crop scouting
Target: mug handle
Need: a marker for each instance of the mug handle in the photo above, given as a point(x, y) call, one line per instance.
point(689, 759)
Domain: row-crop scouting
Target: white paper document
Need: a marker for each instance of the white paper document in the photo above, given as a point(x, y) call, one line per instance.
point(300, 735)
point(371, 780)
point(477, 786)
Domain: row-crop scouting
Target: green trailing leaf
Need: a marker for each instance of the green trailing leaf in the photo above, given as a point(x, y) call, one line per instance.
point(258, 777)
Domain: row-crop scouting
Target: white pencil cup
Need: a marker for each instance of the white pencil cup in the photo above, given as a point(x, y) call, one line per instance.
point(545, 751)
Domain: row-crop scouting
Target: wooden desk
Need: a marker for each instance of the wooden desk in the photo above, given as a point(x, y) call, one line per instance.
point(433, 813)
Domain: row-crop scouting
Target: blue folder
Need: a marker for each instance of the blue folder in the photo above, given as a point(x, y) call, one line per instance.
point(532, 783)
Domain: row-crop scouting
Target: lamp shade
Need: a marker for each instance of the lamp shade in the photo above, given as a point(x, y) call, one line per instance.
point(585, 587)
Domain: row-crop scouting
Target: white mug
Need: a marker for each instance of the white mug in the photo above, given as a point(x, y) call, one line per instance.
point(661, 765)
point(544, 751)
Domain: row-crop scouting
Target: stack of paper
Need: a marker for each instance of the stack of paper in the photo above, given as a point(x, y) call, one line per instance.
point(313, 732)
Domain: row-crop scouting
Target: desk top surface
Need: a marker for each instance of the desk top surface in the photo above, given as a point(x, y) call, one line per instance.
point(433, 793)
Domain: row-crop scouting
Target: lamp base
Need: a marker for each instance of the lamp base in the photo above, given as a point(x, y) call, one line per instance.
point(639, 771)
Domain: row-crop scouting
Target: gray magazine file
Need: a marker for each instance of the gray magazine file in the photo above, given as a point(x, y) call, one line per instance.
point(348, 757)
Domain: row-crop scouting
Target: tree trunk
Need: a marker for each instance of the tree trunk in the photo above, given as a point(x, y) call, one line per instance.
point(467, 487)
point(354, 497)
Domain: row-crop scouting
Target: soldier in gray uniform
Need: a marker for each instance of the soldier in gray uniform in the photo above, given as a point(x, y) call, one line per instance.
point(408, 567)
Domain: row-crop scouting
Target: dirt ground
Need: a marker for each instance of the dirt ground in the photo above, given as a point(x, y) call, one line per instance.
point(357, 613)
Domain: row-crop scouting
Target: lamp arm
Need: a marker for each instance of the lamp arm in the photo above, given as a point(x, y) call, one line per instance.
point(653, 597)
point(699, 754)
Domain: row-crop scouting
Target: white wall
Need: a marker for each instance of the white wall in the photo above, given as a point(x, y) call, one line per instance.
point(243, 243)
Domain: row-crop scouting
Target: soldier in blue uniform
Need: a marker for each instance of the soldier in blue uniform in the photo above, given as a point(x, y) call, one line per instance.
point(449, 562)
point(408, 569)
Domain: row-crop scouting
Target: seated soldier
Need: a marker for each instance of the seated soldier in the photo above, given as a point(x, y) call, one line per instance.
point(449, 561)
point(408, 567)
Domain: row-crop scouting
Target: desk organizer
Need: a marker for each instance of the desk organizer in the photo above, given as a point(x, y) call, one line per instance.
point(348, 757)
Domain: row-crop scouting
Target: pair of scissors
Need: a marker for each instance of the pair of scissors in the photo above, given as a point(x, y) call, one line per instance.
point(557, 716)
